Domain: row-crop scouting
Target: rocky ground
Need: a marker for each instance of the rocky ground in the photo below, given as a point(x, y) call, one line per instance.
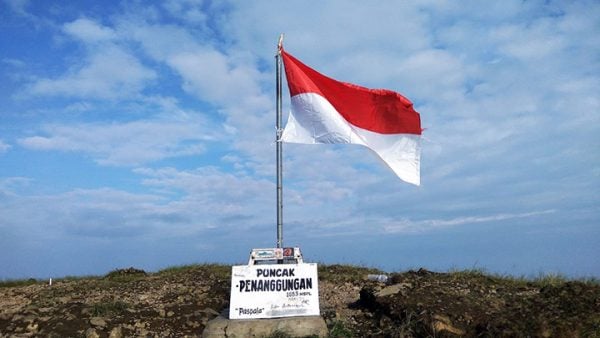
point(178, 302)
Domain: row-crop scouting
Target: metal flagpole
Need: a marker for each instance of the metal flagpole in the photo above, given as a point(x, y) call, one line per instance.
point(278, 144)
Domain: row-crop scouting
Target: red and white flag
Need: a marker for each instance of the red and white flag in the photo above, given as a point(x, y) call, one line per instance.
point(325, 110)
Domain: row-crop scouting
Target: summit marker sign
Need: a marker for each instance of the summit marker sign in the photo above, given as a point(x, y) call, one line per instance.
point(274, 290)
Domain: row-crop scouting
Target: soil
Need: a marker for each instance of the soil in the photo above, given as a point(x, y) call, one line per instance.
point(178, 302)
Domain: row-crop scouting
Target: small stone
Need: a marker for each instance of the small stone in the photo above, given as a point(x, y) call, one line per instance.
point(116, 332)
point(45, 309)
point(443, 323)
point(170, 314)
point(210, 311)
point(391, 290)
point(98, 321)
point(162, 312)
point(129, 327)
point(32, 327)
point(91, 333)
point(193, 324)
point(63, 300)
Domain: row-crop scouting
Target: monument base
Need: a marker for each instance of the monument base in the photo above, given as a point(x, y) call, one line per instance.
point(293, 326)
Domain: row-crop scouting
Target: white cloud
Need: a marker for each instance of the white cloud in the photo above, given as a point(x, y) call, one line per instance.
point(16, 63)
point(215, 198)
point(227, 78)
point(18, 6)
point(432, 73)
point(213, 76)
point(325, 32)
point(407, 226)
point(89, 31)
point(159, 41)
point(108, 70)
point(188, 10)
point(207, 72)
point(9, 184)
point(4, 147)
point(109, 73)
point(100, 212)
point(210, 200)
point(130, 143)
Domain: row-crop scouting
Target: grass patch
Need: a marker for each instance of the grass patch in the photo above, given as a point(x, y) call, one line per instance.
point(339, 330)
point(31, 281)
point(125, 275)
point(109, 308)
point(219, 271)
point(9, 283)
point(75, 278)
point(279, 334)
point(172, 270)
point(346, 273)
point(480, 275)
point(283, 334)
point(551, 279)
point(541, 280)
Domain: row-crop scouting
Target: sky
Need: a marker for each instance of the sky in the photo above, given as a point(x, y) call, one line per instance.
point(141, 133)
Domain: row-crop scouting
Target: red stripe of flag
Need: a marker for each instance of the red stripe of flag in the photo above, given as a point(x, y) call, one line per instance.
point(378, 110)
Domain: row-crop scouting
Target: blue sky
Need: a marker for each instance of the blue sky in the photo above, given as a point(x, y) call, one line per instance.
point(140, 133)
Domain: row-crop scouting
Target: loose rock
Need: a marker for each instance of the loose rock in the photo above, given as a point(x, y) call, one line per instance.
point(98, 321)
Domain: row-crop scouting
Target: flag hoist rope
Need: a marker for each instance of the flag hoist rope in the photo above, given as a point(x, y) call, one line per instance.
point(278, 144)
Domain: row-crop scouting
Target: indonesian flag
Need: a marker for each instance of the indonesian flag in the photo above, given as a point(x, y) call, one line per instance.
point(325, 110)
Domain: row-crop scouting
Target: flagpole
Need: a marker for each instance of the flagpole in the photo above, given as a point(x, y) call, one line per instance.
point(278, 144)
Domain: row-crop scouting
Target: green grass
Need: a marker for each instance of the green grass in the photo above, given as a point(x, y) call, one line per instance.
point(75, 278)
point(178, 269)
point(552, 279)
point(219, 270)
point(339, 330)
point(9, 283)
point(283, 334)
point(125, 275)
point(348, 273)
point(109, 308)
point(541, 280)
point(279, 334)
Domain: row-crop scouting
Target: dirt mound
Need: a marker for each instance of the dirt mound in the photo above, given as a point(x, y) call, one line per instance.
point(180, 301)
point(420, 304)
point(125, 272)
point(125, 303)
